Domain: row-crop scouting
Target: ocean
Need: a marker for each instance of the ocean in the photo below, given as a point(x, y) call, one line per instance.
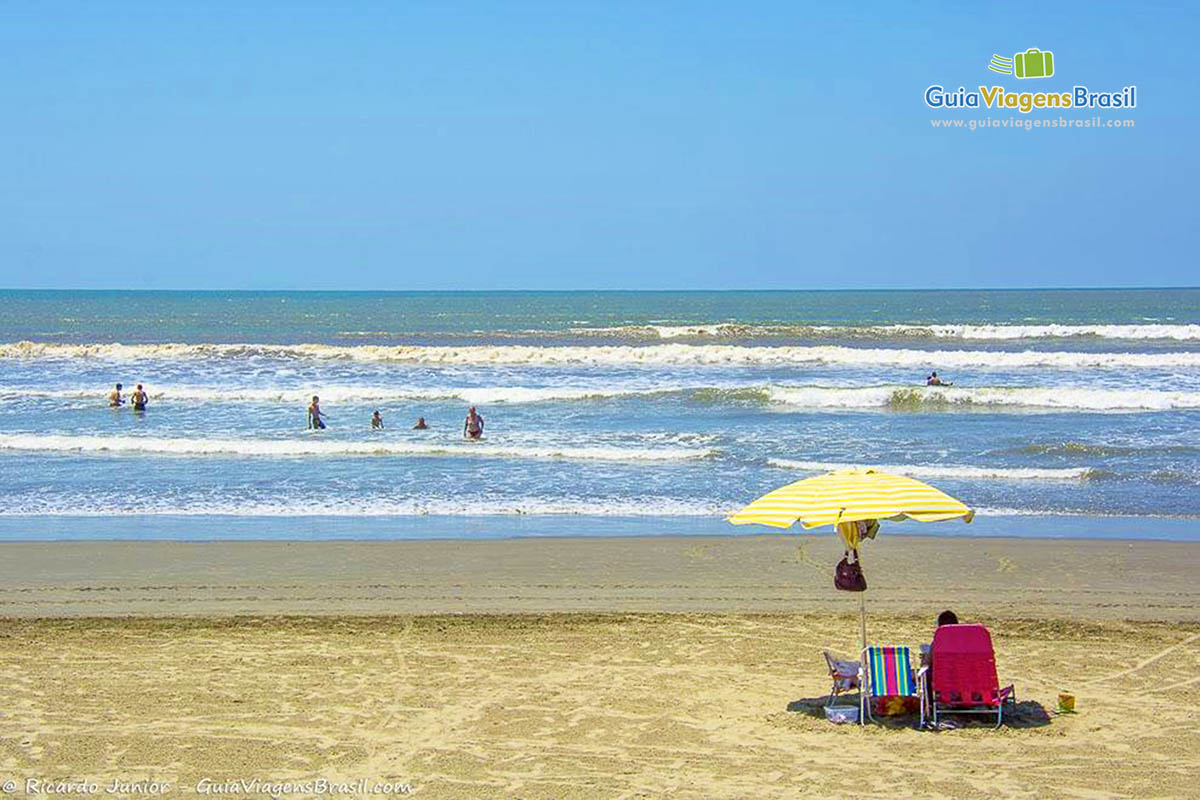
point(1073, 412)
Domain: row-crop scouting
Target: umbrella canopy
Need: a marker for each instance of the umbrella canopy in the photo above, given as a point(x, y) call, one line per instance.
point(848, 495)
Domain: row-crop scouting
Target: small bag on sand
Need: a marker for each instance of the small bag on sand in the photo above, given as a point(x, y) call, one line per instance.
point(849, 575)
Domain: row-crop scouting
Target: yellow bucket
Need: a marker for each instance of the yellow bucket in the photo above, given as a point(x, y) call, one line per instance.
point(1066, 703)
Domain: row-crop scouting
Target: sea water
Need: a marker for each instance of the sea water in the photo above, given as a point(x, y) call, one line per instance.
point(1073, 413)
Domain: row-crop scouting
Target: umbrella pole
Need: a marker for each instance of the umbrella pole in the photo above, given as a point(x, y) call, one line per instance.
point(862, 617)
point(862, 611)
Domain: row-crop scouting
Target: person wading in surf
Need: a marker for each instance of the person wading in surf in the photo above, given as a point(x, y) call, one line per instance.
point(139, 398)
point(316, 417)
point(473, 426)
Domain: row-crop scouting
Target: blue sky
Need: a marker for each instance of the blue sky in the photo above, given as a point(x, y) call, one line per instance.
point(589, 145)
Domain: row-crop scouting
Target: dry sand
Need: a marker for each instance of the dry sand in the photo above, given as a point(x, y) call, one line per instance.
point(449, 666)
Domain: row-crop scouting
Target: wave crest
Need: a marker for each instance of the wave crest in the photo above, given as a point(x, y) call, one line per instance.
point(614, 355)
point(334, 506)
point(931, 398)
point(996, 332)
point(953, 471)
point(312, 446)
point(887, 397)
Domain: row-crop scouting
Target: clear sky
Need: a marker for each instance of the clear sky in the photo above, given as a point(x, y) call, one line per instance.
point(408, 145)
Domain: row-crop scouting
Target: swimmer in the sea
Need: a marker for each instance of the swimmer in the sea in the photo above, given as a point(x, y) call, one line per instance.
point(316, 417)
point(934, 380)
point(420, 426)
point(139, 398)
point(473, 426)
point(376, 421)
point(115, 400)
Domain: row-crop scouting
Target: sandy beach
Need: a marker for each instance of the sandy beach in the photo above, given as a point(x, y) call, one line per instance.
point(561, 668)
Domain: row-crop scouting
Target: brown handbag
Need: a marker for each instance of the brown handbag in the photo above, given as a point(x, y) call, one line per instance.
point(849, 575)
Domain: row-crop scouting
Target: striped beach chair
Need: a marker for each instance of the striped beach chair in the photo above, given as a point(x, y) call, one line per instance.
point(886, 673)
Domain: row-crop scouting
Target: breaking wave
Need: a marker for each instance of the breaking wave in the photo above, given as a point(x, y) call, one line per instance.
point(483, 395)
point(312, 446)
point(952, 471)
point(1090, 513)
point(334, 506)
point(887, 397)
point(207, 505)
point(905, 398)
point(1087, 449)
point(612, 355)
point(1011, 332)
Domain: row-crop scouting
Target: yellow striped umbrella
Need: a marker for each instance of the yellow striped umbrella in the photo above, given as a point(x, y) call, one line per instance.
point(848, 495)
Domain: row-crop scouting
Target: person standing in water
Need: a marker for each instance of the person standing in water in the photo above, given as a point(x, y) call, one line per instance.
point(420, 426)
point(139, 398)
point(376, 421)
point(316, 417)
point(473, 426)
point(115, 400)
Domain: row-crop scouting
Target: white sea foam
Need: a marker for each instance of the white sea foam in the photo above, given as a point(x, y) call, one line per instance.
point(895, 397)
point(72, 505)
point(344, 393)
point(1073, 512)
point(659, 331)
point(616, 355)
point(312, 445)
point(334, 506)
point(684, 331)
point(1005, 332)
point(947, 470)
point(998, 332)
point(928, 398)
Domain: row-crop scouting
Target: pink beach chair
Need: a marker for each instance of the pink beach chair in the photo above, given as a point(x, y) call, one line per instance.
point(961, 677)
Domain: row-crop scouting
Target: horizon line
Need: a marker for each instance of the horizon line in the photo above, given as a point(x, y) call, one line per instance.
point(623, 290)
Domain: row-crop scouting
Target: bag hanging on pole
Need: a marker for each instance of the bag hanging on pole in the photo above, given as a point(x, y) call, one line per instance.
point(848, 576)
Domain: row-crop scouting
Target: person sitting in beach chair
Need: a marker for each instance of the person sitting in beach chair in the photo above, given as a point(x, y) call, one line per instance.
point(888, 686)
point(962, 676)
point(947, 617)
point(844, 674)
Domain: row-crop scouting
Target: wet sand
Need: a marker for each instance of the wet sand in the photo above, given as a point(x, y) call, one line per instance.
point(687, 668)
point(1062, 579)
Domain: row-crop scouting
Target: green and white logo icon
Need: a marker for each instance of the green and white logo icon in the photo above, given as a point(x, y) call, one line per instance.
point(1001, 64)
point(1033, 63)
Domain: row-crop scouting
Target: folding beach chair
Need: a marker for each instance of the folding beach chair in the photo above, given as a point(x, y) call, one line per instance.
point(843, 673)
point(961, 677)
point(885, 672)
